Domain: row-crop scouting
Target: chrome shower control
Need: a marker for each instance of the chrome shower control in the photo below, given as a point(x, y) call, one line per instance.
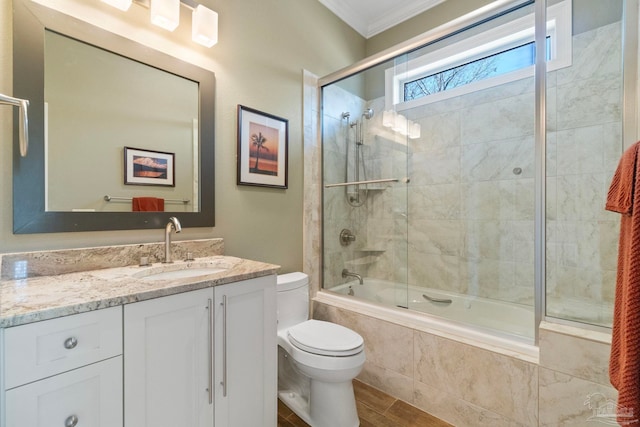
point(346, 237)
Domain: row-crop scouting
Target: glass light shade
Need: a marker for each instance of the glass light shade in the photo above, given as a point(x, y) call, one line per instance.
point(204, 26)
point(388, 118)
point(165, 13)
point(119, 4)
point(400, 124)
point(414, 131)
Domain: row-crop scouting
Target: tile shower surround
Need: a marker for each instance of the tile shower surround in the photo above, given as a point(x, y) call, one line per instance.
point(470, 216)
point(584, 122)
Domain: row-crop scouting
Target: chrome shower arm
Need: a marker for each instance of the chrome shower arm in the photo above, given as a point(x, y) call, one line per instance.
point(22, 104)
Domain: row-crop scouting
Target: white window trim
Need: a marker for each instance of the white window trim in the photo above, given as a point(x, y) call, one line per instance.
point(509, 35)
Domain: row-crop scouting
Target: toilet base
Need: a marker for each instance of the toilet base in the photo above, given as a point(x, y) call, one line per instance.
point(331, 405)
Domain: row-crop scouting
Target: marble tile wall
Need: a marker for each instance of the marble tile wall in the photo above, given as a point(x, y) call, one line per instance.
point(585, 133)
point(470, 386)
point(456, 381)
point(465, 221)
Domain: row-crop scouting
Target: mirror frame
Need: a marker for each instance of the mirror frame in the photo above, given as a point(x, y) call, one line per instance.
point(29, 215)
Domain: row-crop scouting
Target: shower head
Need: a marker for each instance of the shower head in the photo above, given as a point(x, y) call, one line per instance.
point(345, 115)
point(368, 113)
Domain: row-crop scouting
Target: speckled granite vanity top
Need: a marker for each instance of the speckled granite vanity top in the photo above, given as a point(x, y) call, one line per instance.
point(43, 285)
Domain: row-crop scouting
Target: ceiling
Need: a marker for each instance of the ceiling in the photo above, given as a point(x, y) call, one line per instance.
point(370, 17)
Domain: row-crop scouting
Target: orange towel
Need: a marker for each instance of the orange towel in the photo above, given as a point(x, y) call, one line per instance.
point(624, 364)
point(148, 204)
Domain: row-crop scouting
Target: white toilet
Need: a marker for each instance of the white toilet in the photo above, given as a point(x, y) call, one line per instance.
point(316, 360)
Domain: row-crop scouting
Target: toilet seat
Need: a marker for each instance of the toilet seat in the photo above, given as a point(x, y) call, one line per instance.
point(325, 338)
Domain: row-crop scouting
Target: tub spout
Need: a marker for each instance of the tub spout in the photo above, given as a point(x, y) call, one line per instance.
point(346, 273)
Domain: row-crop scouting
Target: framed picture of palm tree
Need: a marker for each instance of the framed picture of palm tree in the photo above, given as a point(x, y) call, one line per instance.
point(263, 151)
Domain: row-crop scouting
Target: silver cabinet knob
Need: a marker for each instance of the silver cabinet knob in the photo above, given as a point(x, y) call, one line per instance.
point(71, 421)
point(70, 343)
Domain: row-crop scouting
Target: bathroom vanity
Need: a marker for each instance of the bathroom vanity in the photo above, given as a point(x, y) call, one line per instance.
point(191, 343)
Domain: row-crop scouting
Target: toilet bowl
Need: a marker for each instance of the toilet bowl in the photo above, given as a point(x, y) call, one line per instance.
point(317, 360)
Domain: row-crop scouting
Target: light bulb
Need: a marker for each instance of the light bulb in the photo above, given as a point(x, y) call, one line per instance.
point(165, 13)
point(204, 26)
point(123, 5)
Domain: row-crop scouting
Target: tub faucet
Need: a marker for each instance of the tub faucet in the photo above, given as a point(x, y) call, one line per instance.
point(346, 273)
point(173, 224)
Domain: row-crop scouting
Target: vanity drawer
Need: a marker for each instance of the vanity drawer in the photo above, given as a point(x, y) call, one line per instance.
point(88, 396)
point(42, 349)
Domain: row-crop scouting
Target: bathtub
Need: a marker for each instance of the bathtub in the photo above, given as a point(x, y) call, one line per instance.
point(495, 325)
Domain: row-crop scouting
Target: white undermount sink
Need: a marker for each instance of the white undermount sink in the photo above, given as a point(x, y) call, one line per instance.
point(178, 271)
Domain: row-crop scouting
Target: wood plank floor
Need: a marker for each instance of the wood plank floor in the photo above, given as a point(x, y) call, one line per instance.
point(375, 409)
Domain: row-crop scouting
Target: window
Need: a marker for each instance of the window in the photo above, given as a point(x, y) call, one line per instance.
point(499, 55)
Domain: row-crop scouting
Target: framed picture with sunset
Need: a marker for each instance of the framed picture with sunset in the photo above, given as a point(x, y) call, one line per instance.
point(148, 167)
point(262, 148)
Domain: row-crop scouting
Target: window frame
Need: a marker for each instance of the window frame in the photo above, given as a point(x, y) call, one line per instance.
point(509, 35)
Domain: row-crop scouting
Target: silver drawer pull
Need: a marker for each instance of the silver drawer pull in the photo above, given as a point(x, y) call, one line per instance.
point(71, 421)
point(69, 344)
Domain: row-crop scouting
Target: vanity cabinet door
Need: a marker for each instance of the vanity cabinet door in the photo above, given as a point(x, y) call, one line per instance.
point(167, 361)
point(90, 396)
point(246, 353)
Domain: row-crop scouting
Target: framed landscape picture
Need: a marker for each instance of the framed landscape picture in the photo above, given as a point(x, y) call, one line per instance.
point(262, 149)
point(147, 167)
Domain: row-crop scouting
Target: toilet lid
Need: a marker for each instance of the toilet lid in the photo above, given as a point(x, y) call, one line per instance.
point(325, 338)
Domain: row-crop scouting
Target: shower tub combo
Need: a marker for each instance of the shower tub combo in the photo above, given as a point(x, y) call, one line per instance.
point(437, 169)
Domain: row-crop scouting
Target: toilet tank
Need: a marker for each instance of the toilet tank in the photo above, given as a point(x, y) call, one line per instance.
point(292, 299)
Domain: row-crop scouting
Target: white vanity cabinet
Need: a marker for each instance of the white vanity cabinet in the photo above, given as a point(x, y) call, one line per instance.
point(200, 355)
point(64, 372)
point(168, 361)
point(246, 351)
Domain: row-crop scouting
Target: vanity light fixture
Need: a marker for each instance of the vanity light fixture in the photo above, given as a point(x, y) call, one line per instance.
point(166, 14)
point(123, 5)
point(388, 118)
point(399, 123)
point(414, 130)
point(204, 26)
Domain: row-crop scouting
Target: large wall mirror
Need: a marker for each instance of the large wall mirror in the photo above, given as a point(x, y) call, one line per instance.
point(110, 121)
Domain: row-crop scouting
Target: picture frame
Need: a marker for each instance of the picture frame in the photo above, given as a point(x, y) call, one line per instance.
point(149, 167)
point(263, 151)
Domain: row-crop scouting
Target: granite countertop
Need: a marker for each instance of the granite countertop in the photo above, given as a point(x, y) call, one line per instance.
point(32, 299)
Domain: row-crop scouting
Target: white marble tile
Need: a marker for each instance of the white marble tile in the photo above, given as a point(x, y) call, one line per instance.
point(580, 197)
point(435, 202)
point(456, 411)
point(435, 271)
point(588, 102)
point(596, 53)
point(580, 150)
point(435, 166)
point(589, 359)
point(435, 237)
point(508, 118)
point(570, 401)
point(488, 200)
point(501, 384)
point(389, 381)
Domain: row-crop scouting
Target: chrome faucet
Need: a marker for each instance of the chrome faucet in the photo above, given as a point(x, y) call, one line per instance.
point(173, 224)
point(346, 273)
